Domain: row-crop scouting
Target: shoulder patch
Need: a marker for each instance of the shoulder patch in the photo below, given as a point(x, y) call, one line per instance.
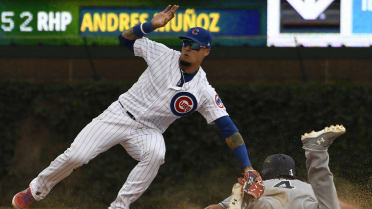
point(218, 101)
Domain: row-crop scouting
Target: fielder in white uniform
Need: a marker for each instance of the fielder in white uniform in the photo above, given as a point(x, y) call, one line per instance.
point(284, 191)
point(173, 85)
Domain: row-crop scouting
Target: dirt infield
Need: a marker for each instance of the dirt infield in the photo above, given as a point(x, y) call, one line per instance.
point(359, 195)
point(190, 196)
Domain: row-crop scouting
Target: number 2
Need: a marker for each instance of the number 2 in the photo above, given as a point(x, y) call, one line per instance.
point(284, 184)
point(24, 26)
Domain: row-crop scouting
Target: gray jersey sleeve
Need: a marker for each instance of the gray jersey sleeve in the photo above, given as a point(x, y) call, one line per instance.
point(225, 203)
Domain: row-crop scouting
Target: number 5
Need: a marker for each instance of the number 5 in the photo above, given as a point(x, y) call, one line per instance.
point(6, 18)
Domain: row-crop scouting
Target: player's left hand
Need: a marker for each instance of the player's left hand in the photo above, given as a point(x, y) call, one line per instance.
point(252, 185)
point(164, 17)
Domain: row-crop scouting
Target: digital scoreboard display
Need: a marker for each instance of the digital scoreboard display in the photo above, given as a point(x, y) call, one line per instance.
point(19, 22)
point(220, 22)
point(68, 22)
point(319, 23)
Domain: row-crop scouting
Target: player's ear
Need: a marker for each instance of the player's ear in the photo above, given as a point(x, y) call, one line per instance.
point(206, 51)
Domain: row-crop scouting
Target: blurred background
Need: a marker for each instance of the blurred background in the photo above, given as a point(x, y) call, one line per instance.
point(281, 67)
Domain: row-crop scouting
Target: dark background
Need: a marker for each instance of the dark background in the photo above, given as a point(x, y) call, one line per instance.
point(274, 95)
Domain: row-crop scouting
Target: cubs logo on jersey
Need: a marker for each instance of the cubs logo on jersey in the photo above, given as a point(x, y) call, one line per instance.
point(183, 103)
point(218, 101)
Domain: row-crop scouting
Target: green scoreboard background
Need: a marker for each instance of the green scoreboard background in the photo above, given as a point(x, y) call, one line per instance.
point(67, 22)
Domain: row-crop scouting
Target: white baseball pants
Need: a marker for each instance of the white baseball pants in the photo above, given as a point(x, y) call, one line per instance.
point(110, 128)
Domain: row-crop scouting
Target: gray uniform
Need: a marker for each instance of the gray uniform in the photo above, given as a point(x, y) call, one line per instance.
point(296, 194)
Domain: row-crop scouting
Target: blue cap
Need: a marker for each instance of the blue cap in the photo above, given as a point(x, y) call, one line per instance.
point(199, 35)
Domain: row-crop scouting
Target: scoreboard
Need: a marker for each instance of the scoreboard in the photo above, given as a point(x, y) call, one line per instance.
point(220, 22)
point(79, 22)
point(286, 23)
point(18, 22)
point(319, 23)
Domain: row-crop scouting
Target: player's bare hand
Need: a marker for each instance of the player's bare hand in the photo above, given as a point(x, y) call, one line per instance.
point(164, 17)
point(214, 207)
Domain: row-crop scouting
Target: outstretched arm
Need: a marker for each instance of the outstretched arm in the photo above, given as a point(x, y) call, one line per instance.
point(251, 182)
point(235, 142)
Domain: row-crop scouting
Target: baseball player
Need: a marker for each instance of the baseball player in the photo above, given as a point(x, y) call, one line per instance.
point(284, 191)
point(172, 86)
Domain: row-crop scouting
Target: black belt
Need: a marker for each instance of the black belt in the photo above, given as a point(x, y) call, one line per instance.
point(128, 113)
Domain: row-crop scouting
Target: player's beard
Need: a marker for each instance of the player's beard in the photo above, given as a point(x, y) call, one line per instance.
point(184, 63)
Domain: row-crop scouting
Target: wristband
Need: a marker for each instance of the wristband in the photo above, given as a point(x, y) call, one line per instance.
point(242, 154)
point(143, 28)
point(226, 126)
point(147, 27)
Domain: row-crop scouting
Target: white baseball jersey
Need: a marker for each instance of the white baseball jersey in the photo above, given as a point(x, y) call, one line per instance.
point(155, 99)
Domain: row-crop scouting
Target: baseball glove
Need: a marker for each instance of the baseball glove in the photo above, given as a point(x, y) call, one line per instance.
point(252, 185)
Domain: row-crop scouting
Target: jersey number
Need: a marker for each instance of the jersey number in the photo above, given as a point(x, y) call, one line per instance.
point(284, 184)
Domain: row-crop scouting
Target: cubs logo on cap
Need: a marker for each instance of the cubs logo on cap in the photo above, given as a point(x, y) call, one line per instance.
point(183, 103)
point(195, 31)
point(199, 35)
